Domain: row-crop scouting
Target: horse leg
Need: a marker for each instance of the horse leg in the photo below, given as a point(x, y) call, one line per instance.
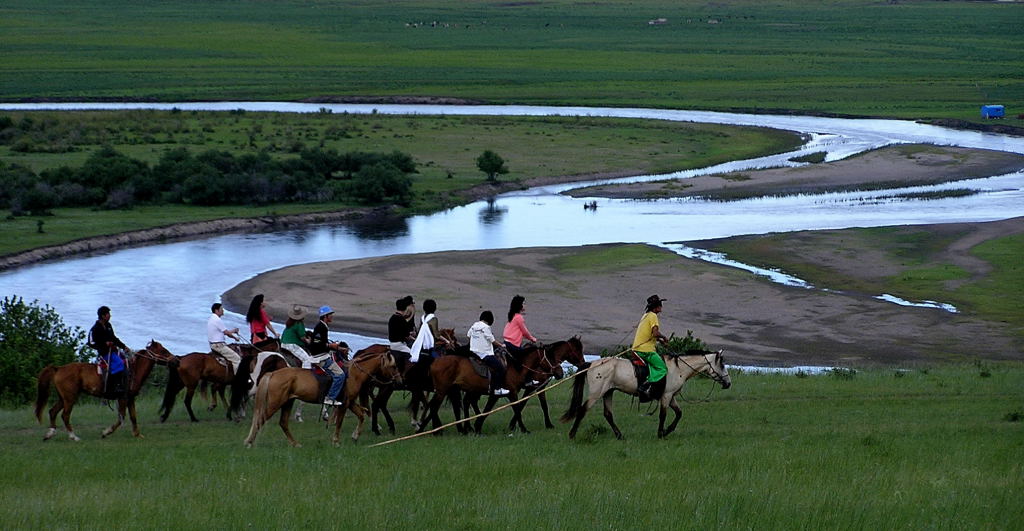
point(286, 411)
point(608, 414)
point(120, 419)
point(544, 407)
point(339, 415)
point(382, 405)
point(189, 394)
point(57, 407)
point(679, 413)
point(517, 418)
point(580, 413)
point(298, 412)
point(134, 418)
point(491, 400)
point(360, 413)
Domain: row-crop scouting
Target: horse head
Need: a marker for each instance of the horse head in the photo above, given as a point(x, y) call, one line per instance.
point(158, 353)
point(388, 369)
point(449, 335)
point(716, 369)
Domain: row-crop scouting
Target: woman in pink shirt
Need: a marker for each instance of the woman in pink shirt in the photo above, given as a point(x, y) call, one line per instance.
point(516, 331)
point(259, 321)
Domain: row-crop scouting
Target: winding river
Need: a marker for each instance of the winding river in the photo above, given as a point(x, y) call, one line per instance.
point(165, 290)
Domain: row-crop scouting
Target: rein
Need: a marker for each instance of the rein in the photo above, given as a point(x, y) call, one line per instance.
point(368, 373)
point(714, 376)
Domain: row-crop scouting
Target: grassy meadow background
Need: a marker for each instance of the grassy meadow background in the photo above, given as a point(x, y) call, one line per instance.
point(445, 149)
point(908, 59)
point(920, 448)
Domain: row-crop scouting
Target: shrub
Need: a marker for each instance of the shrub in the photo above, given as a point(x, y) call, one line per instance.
point(380, 182)
point(682, 345)
point(491, 164)
point(32, 337)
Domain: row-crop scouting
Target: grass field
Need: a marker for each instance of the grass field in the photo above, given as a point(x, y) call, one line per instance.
point(924, 448)
point(909, 59)
point(444, 147)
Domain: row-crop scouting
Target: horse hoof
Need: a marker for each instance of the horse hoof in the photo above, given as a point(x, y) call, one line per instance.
point(74, 437)
point(49, 434)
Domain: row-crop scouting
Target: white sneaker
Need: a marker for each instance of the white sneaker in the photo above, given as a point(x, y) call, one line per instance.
point(501, 391)
point(329, 402)
point(534, 383)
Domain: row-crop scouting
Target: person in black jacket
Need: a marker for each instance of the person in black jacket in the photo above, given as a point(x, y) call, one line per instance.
point(107, 345)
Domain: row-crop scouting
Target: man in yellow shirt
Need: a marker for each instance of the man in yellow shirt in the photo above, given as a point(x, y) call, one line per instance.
point(645, 344)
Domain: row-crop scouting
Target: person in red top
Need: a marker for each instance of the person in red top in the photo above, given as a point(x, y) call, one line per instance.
point(259, 321)
point(515, 330)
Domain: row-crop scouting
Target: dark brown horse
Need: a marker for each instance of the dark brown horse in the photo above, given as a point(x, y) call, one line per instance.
point(570, 351)
point(415, 379)
point(454, 375)
point(193, 369)
point(279, 390)
point(73, 379)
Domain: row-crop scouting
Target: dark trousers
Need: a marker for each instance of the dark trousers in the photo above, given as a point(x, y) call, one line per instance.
point(497, 371)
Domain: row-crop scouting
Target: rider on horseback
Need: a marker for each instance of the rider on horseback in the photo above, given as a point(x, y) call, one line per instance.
point(102, 338)
point(645, 345)
point(482, 343)
point(333, 353)
point(402, 331)
point(518, 339)
point(216, 331)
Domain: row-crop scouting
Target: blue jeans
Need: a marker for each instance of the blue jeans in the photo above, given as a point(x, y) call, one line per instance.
point(339, 376)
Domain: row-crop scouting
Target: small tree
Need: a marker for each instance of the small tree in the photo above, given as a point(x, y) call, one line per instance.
point(491, 164)
point(32, 337)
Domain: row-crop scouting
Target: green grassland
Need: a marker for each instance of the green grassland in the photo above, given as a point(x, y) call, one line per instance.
point(909, 59)
point(444, 147)
point(924, 448)
point(921, 272)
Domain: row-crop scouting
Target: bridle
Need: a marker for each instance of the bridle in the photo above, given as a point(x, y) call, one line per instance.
point(369, 375)
point(156, 357)
point(715, 375)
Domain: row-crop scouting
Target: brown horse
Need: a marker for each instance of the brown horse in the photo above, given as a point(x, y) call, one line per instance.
point(416, 380)
point(279, 390)
point(73, 379)
point(570, 351)
point(616, 374)
point(194, 368)
point(453, 375)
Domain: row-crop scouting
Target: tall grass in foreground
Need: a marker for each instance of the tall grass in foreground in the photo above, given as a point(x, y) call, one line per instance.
point(877, 449)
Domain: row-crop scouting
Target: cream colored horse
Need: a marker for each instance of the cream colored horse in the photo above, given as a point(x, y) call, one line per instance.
point(610, 374)
point(279, 389)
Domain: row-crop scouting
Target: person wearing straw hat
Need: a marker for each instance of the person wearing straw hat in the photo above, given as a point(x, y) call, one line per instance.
point(336, 352)
point(293, 339)
point(645, 345)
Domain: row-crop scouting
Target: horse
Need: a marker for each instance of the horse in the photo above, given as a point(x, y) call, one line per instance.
point(253, 362)
point(610, 374)
point(279, 389)
point(455, 374)
point(570, 351)
point(416, 380)
point(195, 368)
point(73, 379)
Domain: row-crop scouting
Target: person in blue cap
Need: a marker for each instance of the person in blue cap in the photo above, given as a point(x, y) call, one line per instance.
point(334, 353)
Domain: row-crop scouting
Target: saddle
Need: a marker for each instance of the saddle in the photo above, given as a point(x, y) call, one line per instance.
point(479, 367)
point(223, 362)
point(644, 391)
point(323, 380)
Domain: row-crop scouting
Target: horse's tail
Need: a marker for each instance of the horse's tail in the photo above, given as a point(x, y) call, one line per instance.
point(43, 390)
point(260, 408)
point(577, 395)
point(174, 385)
point(240, 385)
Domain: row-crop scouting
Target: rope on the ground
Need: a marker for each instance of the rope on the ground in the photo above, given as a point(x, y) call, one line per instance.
point(510, 404)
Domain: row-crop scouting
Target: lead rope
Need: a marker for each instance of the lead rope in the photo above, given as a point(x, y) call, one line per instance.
point(506, 406)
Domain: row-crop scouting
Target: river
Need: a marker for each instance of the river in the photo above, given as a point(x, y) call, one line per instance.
point(164, 291)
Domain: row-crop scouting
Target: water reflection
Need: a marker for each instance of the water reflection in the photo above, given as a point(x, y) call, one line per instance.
point(380, 226)
point(491, 213)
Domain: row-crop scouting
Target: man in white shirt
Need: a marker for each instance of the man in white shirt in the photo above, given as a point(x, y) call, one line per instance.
point(482, 343)
point(216, 331)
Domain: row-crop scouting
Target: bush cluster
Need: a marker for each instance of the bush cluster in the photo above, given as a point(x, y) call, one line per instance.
point(111, 180)
point(32, 337)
